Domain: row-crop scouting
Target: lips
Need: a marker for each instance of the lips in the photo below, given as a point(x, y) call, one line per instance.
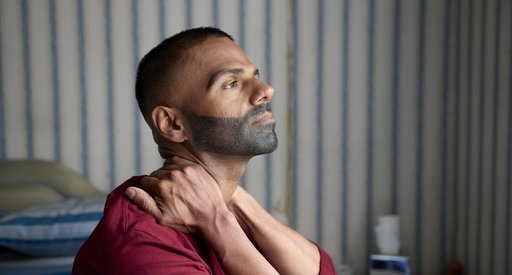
point(266, 118)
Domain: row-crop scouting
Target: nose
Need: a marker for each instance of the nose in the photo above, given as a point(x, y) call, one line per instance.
point(262, 93)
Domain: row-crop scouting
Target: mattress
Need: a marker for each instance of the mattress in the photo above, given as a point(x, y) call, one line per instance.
point(14, 264)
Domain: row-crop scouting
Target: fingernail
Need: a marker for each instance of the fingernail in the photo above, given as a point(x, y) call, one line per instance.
point(130, 193)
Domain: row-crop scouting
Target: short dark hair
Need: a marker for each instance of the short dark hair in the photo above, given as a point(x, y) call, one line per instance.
point(156, 69)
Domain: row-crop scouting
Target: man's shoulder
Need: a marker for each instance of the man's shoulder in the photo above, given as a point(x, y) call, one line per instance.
point(120, 189)
point(125, 229)
point(125, 218)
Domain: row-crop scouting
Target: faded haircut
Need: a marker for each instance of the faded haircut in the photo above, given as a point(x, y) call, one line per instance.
point(157, 69)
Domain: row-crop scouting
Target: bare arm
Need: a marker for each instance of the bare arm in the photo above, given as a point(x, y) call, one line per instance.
point(287, 250)
point(188, 201)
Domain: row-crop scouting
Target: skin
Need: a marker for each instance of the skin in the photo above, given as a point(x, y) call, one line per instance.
point(197, 190)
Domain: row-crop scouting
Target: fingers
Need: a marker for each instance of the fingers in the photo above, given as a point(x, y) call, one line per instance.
point(172, 164)
point(176, 169)
point(166, 169)
point(177, 162)
point(181, 161)
point(143, 200)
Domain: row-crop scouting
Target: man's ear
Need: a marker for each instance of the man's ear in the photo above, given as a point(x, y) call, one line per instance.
point(168, 124)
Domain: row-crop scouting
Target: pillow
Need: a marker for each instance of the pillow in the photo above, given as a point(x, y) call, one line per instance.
point(25, 183)
point(55, 229)
point(20, 197)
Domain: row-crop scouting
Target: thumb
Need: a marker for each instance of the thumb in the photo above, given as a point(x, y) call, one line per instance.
point(143, 200)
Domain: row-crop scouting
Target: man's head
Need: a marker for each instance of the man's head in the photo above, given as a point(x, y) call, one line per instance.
point(198, 89)
point(158, 71)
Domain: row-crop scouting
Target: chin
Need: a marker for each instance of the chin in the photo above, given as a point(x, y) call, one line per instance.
point(270, 147)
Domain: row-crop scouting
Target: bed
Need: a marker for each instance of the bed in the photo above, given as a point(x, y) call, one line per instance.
point(46, 212)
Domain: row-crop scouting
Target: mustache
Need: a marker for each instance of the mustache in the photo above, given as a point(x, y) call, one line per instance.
point(250, 115)
point(258, 110)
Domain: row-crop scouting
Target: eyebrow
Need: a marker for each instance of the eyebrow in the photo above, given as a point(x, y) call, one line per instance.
point(218, 74)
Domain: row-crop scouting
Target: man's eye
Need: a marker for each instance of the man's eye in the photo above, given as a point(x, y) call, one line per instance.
point(231, 84)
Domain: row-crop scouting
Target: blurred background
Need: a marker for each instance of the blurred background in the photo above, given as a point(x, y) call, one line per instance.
point(382, 107)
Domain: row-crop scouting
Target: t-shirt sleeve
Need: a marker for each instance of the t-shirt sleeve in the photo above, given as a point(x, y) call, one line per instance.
point(128, 241)
point(144, 254)
point(326, 265)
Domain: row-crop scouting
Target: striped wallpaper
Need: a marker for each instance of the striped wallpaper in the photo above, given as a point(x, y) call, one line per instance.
point(383, 107)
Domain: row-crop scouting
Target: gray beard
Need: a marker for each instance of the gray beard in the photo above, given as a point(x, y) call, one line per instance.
point(234, 135)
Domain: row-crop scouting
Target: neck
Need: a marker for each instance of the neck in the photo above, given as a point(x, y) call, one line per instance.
point(226, 170)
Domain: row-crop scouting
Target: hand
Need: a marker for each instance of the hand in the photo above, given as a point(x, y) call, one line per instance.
point(239, 198)
point(180, 195)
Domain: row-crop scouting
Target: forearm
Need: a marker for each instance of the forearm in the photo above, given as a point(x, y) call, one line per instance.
point(287, 250)
point(234, 250)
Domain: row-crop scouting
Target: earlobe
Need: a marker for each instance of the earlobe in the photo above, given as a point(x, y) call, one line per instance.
point(168, 124)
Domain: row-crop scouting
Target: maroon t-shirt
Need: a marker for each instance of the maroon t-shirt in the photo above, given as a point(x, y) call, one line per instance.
point(127, 240)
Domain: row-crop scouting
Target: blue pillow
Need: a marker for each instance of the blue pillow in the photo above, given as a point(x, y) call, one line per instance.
point(55, 229)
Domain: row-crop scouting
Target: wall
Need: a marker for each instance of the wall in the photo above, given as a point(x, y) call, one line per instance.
point(383, 107)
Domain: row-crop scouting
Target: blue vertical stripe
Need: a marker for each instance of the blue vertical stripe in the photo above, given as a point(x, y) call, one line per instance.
point(508, 209)
point(241, 43)
point(468, 133)
point(345, 129)
point(268, 79)
point(136, 112)
point(110, 94)
point(420, 130)
point(319, 121)
point(27, 78)
point(395, 103)
point(55, 82)
point(162, 22)
point(188, 12)
point(241, 23)
point(456, 158)
point(293, 108)
point(3, 153)
point(83, 89)
point(215, 11)
point(481, 130)
point(162, 27)
point(370, 128)
point(444, 133)
point(495, 103)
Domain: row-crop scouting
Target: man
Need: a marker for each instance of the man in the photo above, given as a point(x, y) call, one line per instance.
point(209, 113)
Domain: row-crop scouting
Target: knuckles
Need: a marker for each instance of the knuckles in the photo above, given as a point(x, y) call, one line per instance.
point(189, 170)
point(179, 173)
